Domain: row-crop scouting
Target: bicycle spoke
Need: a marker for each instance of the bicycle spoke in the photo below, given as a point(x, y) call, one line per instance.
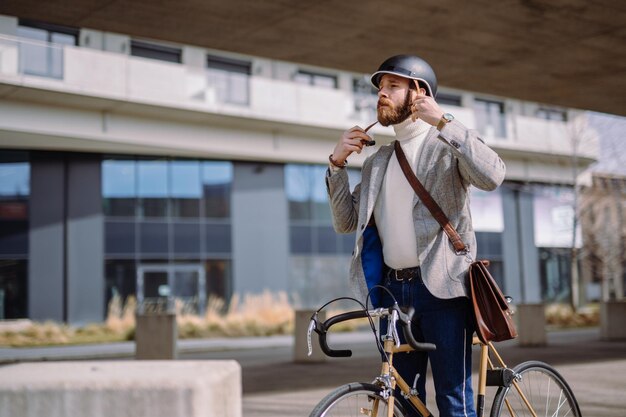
point(539, 392)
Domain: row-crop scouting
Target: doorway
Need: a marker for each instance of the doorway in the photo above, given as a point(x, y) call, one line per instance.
point(161, 286)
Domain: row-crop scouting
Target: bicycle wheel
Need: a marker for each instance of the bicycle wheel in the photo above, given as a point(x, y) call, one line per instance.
point(355, 399)
point(545, 389)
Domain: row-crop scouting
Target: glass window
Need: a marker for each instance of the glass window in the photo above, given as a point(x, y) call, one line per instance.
point(14, 200)
point(217, 238)
point(13, 289)
point(553, 210)
point(119, 238)
point(152, 187)
point(154, 238)
point(316, 79)
point(298, 188)
point(155, 51)
point(218, 273)
point(187, 238)
point(365, 97)
point(186, 190)
point(551, 114)
point(319, 195)
point(41, 54)
point(486, 209)
point(119, 187)
point(187, 206)
point(230, 78)
point(448, 99)
point(120, 279)
point(217, 179)
point(490, 118)
point(300, 239)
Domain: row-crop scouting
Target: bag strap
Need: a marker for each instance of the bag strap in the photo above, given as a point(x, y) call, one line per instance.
point(429, 202)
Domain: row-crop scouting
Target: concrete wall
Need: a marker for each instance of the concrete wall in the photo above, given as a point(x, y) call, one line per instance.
point(260, 228)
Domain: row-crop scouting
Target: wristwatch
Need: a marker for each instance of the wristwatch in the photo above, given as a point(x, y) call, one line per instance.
point(446, 118)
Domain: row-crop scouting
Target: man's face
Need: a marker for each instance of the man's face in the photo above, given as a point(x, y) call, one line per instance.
point(394, 99)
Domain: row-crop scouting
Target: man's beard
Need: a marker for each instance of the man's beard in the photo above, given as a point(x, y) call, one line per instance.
point(388, 115)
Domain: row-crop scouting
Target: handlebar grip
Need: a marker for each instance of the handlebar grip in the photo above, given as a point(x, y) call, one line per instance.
point(322, 329)
point(333, 353)
point(405, 319)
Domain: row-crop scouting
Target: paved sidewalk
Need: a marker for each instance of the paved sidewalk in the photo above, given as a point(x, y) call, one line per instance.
point(273, 385)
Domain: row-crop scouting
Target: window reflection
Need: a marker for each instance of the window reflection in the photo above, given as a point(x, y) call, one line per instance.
point(42, 53)
point(182, 216)
point(230, 79)
point(119, 187)
point(14, 224)
point(216, 187)
point(487, 210)
point(490, 118)
point(152, 188)
point(186, 189)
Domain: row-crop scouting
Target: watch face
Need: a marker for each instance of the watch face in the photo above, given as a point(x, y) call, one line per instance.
point(448, 117)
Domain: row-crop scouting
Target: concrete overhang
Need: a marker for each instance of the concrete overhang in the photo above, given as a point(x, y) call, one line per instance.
point(569, 53)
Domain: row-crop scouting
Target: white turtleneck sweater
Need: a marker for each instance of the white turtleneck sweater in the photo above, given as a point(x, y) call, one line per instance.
point(393, 211)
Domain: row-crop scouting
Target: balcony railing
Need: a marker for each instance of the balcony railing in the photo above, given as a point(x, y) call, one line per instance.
point(115, 76)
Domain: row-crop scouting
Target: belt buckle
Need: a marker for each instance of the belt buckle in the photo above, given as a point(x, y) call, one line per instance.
point(400, 279)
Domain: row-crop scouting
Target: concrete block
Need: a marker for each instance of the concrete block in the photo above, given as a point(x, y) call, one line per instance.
point(612, 317)
point(122, 389)
point(155, 336)
point(300, 353)
point(531, 325)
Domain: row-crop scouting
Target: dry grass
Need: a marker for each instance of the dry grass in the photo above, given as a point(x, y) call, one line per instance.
point(563, 316)
point(255, 315)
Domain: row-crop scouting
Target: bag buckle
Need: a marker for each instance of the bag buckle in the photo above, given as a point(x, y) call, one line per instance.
point(465, 252)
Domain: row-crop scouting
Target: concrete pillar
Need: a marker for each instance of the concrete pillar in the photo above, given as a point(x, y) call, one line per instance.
point(85, 240)
point(121, 388)
point(46, 256)
point(301, 350)
point(260, 228)
point(521, 258)
point(155, 336)
point(612, 315)
point(531, 325)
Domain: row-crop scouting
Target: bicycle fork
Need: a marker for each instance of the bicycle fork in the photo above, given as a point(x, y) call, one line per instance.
point(390, 378)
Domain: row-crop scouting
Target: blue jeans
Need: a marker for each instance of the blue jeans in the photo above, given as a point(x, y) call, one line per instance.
point(448, 323)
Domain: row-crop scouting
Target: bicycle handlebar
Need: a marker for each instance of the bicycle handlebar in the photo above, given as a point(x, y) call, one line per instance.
point(405, 319)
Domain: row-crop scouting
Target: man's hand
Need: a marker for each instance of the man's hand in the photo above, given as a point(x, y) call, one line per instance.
point(351, 141)
point(426, 108)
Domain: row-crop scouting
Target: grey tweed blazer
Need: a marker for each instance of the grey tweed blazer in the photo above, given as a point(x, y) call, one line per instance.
point(448, 163)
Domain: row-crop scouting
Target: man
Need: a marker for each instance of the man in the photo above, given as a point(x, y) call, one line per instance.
point(421, 268)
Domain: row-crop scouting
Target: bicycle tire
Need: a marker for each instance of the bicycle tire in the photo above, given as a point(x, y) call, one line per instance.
point(354, 399)
point(546, 391)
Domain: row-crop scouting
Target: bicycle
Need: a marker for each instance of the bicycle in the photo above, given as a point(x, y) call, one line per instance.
point(531, 388)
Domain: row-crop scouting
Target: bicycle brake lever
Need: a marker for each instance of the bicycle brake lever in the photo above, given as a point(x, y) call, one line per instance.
point(312, 325)
point(394, 330)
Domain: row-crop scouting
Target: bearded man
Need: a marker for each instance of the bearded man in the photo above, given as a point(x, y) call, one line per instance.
point(420, 266)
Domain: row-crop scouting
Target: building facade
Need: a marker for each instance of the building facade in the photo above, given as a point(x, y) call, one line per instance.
point(145, 168)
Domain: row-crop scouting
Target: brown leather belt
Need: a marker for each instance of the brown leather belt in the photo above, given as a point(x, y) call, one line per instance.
point(404, 274)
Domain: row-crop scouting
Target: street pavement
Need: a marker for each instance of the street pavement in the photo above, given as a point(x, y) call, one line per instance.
point(274, 385)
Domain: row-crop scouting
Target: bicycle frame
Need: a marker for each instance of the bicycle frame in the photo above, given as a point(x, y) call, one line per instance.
point(492, 373)
point(391, 377)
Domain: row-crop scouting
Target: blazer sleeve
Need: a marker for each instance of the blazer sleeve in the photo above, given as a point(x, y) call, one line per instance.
point(478, 164)
point(344, 205)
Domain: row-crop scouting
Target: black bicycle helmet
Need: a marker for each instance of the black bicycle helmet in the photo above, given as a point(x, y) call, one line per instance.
point(408, 66)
